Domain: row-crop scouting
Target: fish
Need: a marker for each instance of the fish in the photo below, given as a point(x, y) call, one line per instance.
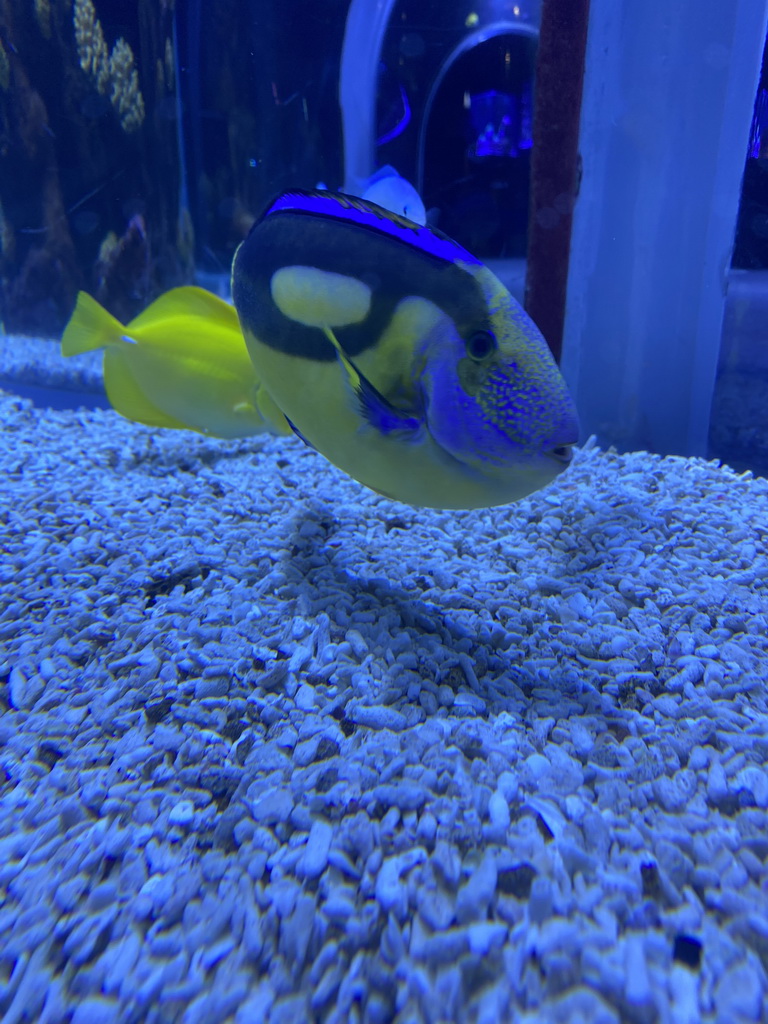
point(182, 363)
point(388, 189)
point(398, 355)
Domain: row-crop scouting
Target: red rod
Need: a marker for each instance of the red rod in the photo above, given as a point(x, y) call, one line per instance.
point(555, 164)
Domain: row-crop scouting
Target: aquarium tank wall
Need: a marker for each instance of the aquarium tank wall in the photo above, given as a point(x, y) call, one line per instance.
point(259, 112)
point(383, 512)
point(647, 353)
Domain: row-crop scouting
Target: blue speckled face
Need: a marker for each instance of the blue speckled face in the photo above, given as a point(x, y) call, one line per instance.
point(503, 401)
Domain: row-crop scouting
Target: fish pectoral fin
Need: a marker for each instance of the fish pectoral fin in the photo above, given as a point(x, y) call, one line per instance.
point(256, 420)
point(376, 411)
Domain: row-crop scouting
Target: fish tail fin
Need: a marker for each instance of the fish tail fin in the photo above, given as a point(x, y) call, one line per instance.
point(90, 327)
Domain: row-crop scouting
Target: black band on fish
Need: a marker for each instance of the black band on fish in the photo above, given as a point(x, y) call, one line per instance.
point(382, 263)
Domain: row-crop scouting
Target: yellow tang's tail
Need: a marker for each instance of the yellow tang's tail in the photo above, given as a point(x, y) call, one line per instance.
point(90, 327)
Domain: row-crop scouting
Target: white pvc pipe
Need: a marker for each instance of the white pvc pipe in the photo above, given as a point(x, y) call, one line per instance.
point(668, 96)
point(363, 38)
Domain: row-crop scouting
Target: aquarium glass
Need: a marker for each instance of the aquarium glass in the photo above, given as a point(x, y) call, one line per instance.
point(383, 512)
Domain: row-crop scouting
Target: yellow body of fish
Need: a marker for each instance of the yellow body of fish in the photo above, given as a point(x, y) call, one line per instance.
point(181, 363)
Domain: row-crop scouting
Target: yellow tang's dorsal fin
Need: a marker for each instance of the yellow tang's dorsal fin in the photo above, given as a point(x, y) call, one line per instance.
point(187, 301)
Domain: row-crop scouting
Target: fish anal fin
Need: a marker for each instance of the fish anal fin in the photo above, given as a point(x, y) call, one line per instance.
point(299, 434)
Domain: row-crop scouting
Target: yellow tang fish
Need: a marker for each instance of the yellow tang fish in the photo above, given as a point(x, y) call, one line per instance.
point(181, 363)
point(398, 355)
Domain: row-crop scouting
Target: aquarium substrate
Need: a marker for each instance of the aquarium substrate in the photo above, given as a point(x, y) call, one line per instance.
point(275, 748)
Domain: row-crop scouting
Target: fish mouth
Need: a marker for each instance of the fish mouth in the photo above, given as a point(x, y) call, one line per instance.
point(562, 454)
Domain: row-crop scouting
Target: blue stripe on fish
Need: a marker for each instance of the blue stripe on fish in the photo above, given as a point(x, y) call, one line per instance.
point(339, 206)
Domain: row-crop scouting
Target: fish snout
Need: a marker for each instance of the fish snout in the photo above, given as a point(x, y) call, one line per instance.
point(564, 437)
point(561, 453)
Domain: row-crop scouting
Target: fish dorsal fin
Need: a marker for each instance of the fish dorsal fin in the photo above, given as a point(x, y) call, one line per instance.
point(187, 301)
point(353, 210)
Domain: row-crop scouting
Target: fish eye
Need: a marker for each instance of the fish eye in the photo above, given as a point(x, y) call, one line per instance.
point(481, 344)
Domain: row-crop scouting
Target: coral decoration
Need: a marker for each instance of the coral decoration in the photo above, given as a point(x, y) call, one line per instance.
point(91, 47)
point(113, 74)
point(74, 169)
point(125, 95)
point(122, 269)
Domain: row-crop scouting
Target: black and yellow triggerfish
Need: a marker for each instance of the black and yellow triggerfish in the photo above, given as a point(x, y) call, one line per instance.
point(398, 355)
